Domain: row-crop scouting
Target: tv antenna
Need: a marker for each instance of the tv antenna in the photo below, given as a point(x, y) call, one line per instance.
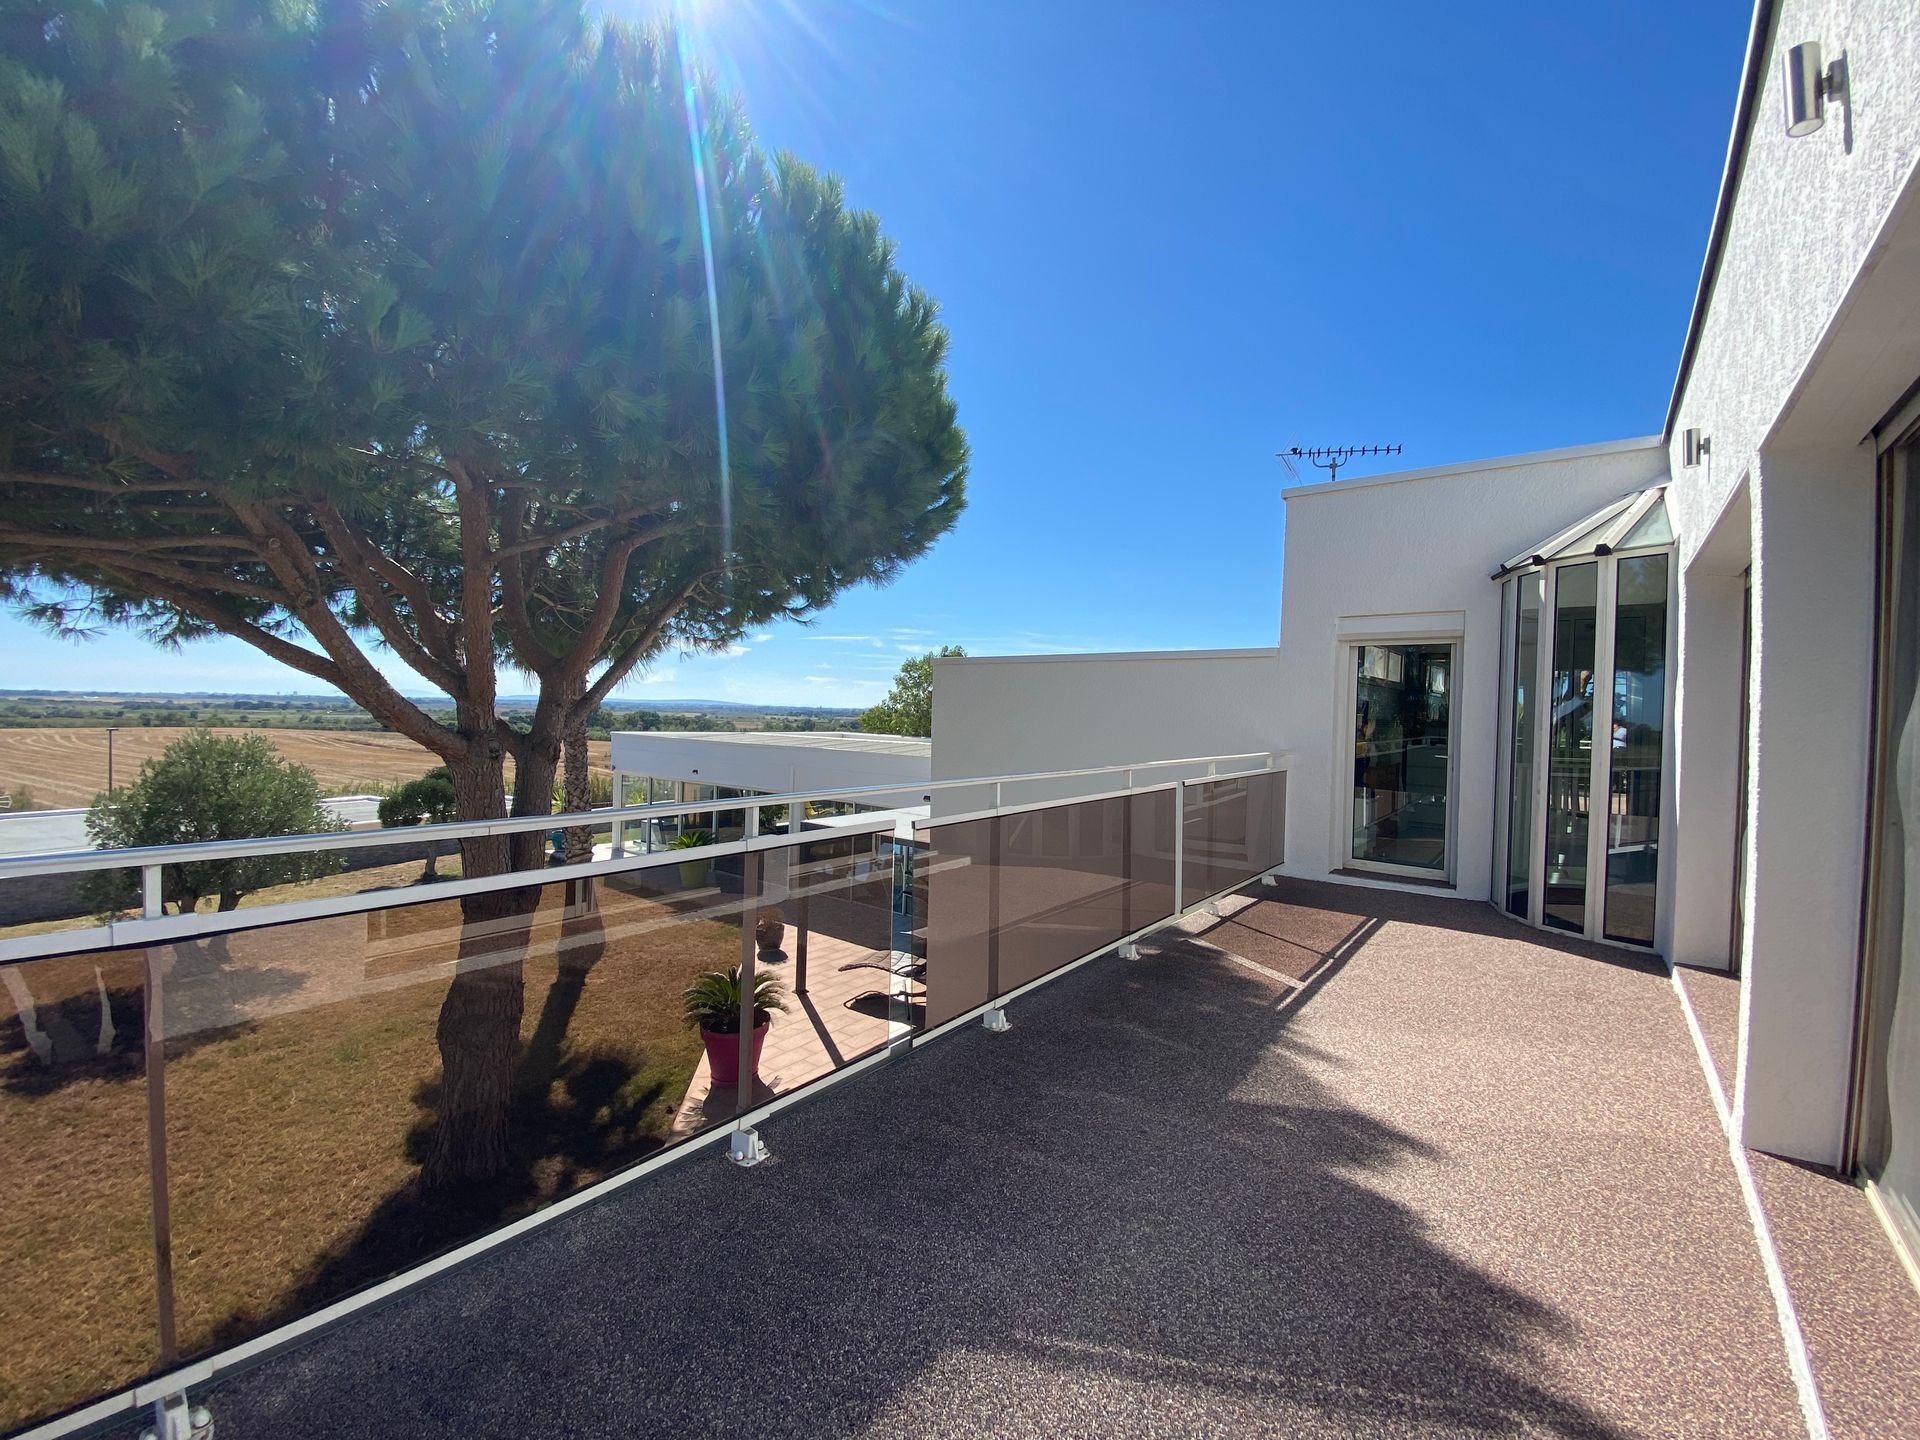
point(1331, 457)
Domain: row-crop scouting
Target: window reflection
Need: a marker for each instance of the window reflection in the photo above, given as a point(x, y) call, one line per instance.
point(1638, 734)
point(1402, 710)
point(1526, 664)
point(1570, 746)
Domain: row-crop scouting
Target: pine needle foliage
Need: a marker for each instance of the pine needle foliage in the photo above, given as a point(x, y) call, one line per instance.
point(345, 327)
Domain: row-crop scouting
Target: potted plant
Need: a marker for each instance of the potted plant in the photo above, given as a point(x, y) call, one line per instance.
point(769, 930)
point(693, 873)
point(713, 1008)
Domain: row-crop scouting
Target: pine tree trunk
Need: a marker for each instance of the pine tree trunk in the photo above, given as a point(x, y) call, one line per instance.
point(479, 1026)
point(479, 1038)
point(578, 790)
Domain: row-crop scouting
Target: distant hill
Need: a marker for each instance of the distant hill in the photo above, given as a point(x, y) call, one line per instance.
point(175, 699)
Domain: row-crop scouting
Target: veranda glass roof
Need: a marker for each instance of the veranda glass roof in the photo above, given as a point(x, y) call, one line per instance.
point(1631, 522)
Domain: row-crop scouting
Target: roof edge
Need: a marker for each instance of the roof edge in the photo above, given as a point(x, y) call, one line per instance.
point(1751, 77)
point(1265, 653)
point(1469, 467)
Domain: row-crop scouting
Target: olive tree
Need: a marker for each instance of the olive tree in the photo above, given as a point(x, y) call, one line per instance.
point(427, 800)
point(210, 787)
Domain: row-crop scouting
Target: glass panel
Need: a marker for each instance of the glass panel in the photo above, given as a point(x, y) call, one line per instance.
point(958, 865)
point(1402, 706)
point(1524, 716)
point(823, 929)
point(1653, 528)
point(347, 1096)
point(77, 1303)
point(1589, 539)
point(326, 874)
point(1014, 897)
point(1639, 737)
point(49, 904)
point(1890, 1059)
point(1570, 745)
point(1235, 831)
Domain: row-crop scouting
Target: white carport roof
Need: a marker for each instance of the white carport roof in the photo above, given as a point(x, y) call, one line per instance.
point(775, 762)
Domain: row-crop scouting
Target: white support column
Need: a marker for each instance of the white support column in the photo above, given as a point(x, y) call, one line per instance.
point(619, 837)
point(1706, 757)
point(1812, 706)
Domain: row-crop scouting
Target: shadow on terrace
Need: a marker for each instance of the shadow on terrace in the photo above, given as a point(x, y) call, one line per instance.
point(1317, 1189)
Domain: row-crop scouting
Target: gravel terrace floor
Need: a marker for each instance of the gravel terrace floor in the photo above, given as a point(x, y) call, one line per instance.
point(1350, 1162)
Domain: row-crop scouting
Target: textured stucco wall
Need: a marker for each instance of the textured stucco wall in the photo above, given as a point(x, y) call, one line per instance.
point(1409, 546)
point(1784, 384)
point(1003, 715)
point(1804, 216)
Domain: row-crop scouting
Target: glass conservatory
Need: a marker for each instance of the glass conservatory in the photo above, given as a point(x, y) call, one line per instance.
point(1586, 708)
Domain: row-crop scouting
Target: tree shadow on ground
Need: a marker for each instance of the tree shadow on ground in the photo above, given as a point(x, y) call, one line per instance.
point(578, 1112)
point(88, 1011)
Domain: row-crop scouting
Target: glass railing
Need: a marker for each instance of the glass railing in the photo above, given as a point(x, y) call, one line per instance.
point(253, 1112)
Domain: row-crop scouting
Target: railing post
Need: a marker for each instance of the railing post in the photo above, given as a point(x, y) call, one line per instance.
point(745, 1147)
point(1179, 846)
point(152, 907)
point(174, 1419)
point(618, 837)
point(801, 921)
point(158, 1183)
point(996, 1017)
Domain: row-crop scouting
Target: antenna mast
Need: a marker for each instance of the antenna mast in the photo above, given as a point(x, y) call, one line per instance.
point(1331, 457)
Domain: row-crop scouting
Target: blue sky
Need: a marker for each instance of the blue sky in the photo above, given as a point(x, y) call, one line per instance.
point(1171, 240)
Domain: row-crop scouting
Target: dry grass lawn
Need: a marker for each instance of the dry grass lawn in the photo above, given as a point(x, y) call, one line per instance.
point(300, 1089)
point(66, 768)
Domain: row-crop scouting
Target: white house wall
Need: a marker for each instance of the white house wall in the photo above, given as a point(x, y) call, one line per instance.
point(1001, 715)
point(1410, 556)
point(1810, 333)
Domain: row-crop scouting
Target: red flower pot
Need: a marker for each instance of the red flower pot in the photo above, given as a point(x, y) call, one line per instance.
point(723, 1055)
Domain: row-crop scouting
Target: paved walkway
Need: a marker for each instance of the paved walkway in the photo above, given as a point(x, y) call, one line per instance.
point(1349, 1163)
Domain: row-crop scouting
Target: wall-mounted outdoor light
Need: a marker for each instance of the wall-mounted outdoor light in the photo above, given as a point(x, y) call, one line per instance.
point(1808, 87)
point(1693, 445)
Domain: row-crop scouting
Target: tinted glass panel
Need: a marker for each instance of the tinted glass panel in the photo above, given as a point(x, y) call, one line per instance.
point(1638, 737)
point(1235, 831)
point(1011, 898)
point(1570, 746)
point(1403, 697)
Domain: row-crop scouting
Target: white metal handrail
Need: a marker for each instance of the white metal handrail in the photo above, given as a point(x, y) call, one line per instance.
point(76, 861)
point(153, 926)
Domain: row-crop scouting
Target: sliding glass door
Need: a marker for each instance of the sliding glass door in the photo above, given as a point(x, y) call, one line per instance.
point(1402, 756)
point(1887, 1092)
point(1585, 730)
point(1570, 745)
